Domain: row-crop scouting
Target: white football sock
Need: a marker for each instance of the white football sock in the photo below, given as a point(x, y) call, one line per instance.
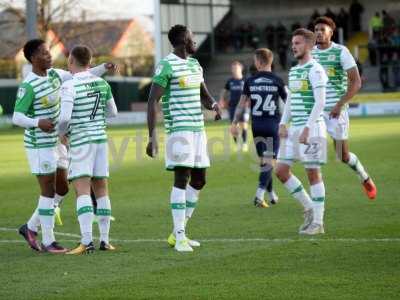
point(192, 196)
point(356, 165)
point(260, 193)
point(34, 221)
point(84, 209)
point(178, 205)
point(318, 199)
point(46, 216)
point(58, 200)
point(104, 214)
point(294, 186)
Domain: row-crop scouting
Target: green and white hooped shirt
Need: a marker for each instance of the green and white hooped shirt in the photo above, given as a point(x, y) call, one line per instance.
point(181, 103)
point(90, 95)
point(336, 60)
point(38, 97)
point(302, 80)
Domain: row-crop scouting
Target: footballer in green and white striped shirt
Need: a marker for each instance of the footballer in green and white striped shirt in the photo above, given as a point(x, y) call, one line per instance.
point(344, 82)
point(86, 100)
point(179, 82)
point(305, 139)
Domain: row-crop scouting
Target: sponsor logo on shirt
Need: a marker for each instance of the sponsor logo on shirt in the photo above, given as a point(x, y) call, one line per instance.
point(298, 85)
point(190, 81)
point(263, 80)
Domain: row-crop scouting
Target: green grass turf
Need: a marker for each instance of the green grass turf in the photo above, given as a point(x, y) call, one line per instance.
point(345, 263)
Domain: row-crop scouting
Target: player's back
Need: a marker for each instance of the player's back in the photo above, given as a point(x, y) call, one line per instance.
point(264, 90)
point(88, 119)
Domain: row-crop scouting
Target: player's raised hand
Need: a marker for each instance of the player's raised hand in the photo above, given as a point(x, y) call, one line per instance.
point(218, 113)
point(46, 125)
point(283, 133)
point(303, 139)
point(152, 148)
point(111, 67)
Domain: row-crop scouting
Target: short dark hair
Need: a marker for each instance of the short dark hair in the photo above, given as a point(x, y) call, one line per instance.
point(82, 55)
point(325, 20)
point(31, 47)
point(264, 55)
point(176, 35)
point(308, 35)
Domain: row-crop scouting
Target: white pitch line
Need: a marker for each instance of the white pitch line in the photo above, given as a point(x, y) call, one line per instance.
point(226, 240)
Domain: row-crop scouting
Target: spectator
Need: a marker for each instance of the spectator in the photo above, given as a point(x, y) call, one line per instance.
point(310, 24)
point(389, 23)
point(281, 32)
point(376, 24)
point(270, 36)
point(384, 61)
point(254, 36)
point(330, 14)
point(395, 41)
point(237, 38)
point(282, 53)
point(342, 21)
point(295, 26)
point(372, 51)
point(356, 9)
point(315, 15)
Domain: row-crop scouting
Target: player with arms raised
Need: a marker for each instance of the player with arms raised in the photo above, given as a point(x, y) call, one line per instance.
point(263, 91)
point(86, 100)
point(305, 139)
point(344, 82)
point(179, 81)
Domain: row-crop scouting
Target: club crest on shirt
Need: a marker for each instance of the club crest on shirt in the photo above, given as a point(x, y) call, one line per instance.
point(21, 92)
point(331, 57)
point(55, 83)
point(158, 70)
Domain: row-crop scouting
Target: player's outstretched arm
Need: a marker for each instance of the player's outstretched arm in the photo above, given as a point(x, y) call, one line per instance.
point(223, 98)
point(67, 103)
point(156, 92)
point(99, 70)
point(208, 101)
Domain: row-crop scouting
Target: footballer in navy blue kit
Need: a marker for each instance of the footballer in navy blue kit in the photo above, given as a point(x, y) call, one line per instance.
point(263, 91)
point(230, 97)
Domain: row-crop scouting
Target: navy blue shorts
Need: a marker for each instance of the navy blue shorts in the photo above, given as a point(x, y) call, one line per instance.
point(266, 140)
point(243, 118)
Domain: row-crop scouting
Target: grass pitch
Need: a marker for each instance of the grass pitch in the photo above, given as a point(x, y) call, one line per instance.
point(246, 253)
